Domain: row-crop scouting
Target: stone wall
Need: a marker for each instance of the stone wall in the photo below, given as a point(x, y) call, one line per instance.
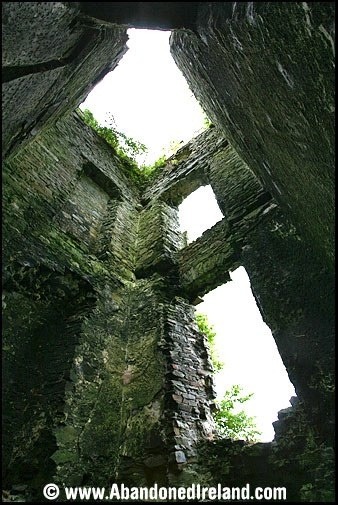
point(158, 239)
point(94, 273)
point(296, 460)
point(185, 171)
point(107, 378)
point(189, 389)
point(135, 387)
point(162, 16)
point(111, 273)
point(43, 311)
point(264, 74)
point(294, 292)
point(205, 263)
point(52, 57)
point(114, 403)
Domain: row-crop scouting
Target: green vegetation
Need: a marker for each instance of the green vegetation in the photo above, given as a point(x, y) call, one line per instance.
point(128, 149)
point(206, 122)
point(205, 328)
point(150, 170)
point(231, 423)
point(123, 145)
point(168, 156)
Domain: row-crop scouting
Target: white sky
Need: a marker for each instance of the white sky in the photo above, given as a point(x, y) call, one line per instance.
point(243, 341)
point(199, 212)
point(246, 346)
point(147, 95)
point(151, 102)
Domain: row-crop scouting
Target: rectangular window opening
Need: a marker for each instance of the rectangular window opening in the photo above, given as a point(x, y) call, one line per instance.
point(198, 213)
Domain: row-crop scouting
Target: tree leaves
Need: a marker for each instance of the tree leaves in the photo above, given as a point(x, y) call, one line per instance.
point(235, 425)
point(208, 330)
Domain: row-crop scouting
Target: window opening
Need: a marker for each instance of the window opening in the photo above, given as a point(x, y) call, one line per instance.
point(246, 346)
point(199, 212)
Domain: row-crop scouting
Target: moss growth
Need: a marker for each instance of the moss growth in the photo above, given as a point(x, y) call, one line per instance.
point(300, 454)
point(70, 253)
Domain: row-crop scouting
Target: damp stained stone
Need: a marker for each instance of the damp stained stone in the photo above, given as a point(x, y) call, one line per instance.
point(79, 242)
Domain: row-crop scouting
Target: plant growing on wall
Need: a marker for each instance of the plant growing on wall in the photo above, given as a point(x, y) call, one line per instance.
point(206, 328)
point(124, 145)
point(206, 122)
point(232, 423)
point(151, 170)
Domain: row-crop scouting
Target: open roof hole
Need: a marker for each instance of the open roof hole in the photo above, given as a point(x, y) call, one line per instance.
point(199, 212)
point(148, 97)
point(246, 346)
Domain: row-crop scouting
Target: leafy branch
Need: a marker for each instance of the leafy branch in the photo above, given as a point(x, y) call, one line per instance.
point(205, 327)
point(232, 424)
point(125, 147)
point(128, 149)
point(120, 142)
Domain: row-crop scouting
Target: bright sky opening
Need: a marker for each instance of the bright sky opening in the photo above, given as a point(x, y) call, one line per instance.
point(148, 96)
point(243, 341)
point(199, 212)
point(247, 348)
point(152, 103)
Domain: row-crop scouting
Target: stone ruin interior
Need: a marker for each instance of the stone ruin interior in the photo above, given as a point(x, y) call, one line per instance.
point(106, 376)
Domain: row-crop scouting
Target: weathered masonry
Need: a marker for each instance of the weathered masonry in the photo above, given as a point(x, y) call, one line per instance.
point(106, 376)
